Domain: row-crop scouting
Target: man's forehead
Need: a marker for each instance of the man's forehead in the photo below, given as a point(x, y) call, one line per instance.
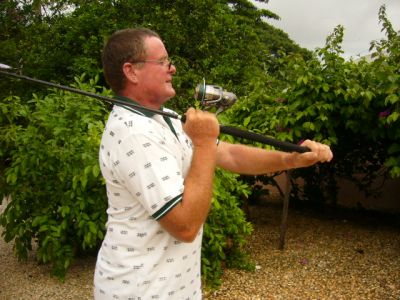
point(155, 47)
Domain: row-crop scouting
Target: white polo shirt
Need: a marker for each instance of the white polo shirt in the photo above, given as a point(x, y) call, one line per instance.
point(144, 164)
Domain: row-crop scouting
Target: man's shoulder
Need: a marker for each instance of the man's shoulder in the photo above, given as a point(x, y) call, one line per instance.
point(120, 116)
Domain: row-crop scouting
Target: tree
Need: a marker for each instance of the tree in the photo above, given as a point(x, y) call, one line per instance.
point(352, 106)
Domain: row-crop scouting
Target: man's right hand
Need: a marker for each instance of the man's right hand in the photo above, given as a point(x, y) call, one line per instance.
point(202, 127)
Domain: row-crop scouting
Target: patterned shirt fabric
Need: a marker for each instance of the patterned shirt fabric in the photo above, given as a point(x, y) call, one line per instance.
point(144, 161)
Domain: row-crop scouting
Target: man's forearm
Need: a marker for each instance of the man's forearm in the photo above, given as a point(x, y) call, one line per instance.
point(253, 161)
point(199, 183)
point(185, 220)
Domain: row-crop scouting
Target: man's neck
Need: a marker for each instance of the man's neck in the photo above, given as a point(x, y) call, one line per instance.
point(141, 100)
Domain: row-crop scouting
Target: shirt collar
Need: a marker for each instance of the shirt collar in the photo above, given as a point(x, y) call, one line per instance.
point(127, 100)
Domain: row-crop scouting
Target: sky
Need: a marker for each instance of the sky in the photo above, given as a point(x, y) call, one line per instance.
point(309, 22)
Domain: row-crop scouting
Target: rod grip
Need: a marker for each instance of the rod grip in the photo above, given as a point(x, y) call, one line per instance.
point(237, 132)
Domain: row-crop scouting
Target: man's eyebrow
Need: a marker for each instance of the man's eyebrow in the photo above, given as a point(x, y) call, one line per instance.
point(165, 57)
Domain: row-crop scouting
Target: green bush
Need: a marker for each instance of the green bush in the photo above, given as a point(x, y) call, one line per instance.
point(226, 229)
point(52, 176)
point(351, 105)
point(58, 198)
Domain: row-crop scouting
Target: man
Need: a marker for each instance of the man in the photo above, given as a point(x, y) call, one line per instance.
point(159, 176)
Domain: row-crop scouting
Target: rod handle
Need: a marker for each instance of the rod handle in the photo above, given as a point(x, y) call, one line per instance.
point(237, 132)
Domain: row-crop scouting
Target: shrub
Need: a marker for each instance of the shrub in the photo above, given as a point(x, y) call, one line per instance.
point(351, 105)
point(58, 199)
point(226, 229)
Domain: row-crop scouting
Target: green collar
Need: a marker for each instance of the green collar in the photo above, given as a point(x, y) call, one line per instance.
point(143, 111)
point(127, 100)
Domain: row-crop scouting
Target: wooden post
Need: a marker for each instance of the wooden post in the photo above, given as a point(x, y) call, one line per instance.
point(285, 211)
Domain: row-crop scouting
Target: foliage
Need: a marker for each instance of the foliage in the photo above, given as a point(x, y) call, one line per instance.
point(226, 229)
point(351, 105)
point(386, 82)
point(205, 38)
point(58, 199)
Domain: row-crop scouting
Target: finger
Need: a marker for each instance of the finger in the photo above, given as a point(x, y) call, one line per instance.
point(328, 153)
point(322, 151)
point(190, 110)
point(187, 115)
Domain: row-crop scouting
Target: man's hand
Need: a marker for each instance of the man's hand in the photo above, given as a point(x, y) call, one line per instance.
point(202, 127)
point(319, 153)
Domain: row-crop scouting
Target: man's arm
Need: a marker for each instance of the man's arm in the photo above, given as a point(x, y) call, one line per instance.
point(254, 161)
point(185, 219)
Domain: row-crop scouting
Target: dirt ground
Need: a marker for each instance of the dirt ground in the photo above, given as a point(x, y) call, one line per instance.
point(327, 256)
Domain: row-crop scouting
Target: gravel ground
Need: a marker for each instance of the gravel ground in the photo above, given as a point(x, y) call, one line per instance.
point(326, 257)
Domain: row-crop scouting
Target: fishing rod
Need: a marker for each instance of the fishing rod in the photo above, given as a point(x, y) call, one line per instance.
point(208, 94)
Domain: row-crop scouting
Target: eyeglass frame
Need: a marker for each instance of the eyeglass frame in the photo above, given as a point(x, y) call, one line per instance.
point(164, 62)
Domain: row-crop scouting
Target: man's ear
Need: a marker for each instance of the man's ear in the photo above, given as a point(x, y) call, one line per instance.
point(130, 72)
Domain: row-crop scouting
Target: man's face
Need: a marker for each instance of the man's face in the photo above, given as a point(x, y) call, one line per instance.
point(155, 74)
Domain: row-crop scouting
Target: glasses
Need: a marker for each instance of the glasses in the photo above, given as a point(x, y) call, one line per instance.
point(163, 62)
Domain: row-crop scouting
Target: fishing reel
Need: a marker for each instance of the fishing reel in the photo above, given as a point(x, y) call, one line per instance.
point(214, 96)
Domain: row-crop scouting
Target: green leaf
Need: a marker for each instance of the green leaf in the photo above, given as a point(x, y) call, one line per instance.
point(75, 180)
point(92, 228)
point(391, 99)
point(88, 170)
point(11, 178)
point(246, 121)
point(96, 171)
point(323, 118)
point(43, 228)
point(67, 263)
point(84, 181)
point(308, 126)
point(393, 117)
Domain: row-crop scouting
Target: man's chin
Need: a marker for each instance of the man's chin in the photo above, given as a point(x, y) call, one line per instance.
point(171, 93)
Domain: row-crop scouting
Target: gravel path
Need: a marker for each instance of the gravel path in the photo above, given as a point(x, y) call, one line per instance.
point(325, 258)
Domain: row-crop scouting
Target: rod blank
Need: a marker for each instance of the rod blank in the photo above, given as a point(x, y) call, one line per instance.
point(236, 132)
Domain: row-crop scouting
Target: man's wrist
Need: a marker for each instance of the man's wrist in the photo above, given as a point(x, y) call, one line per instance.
point(290, 160)
point(205, 143)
